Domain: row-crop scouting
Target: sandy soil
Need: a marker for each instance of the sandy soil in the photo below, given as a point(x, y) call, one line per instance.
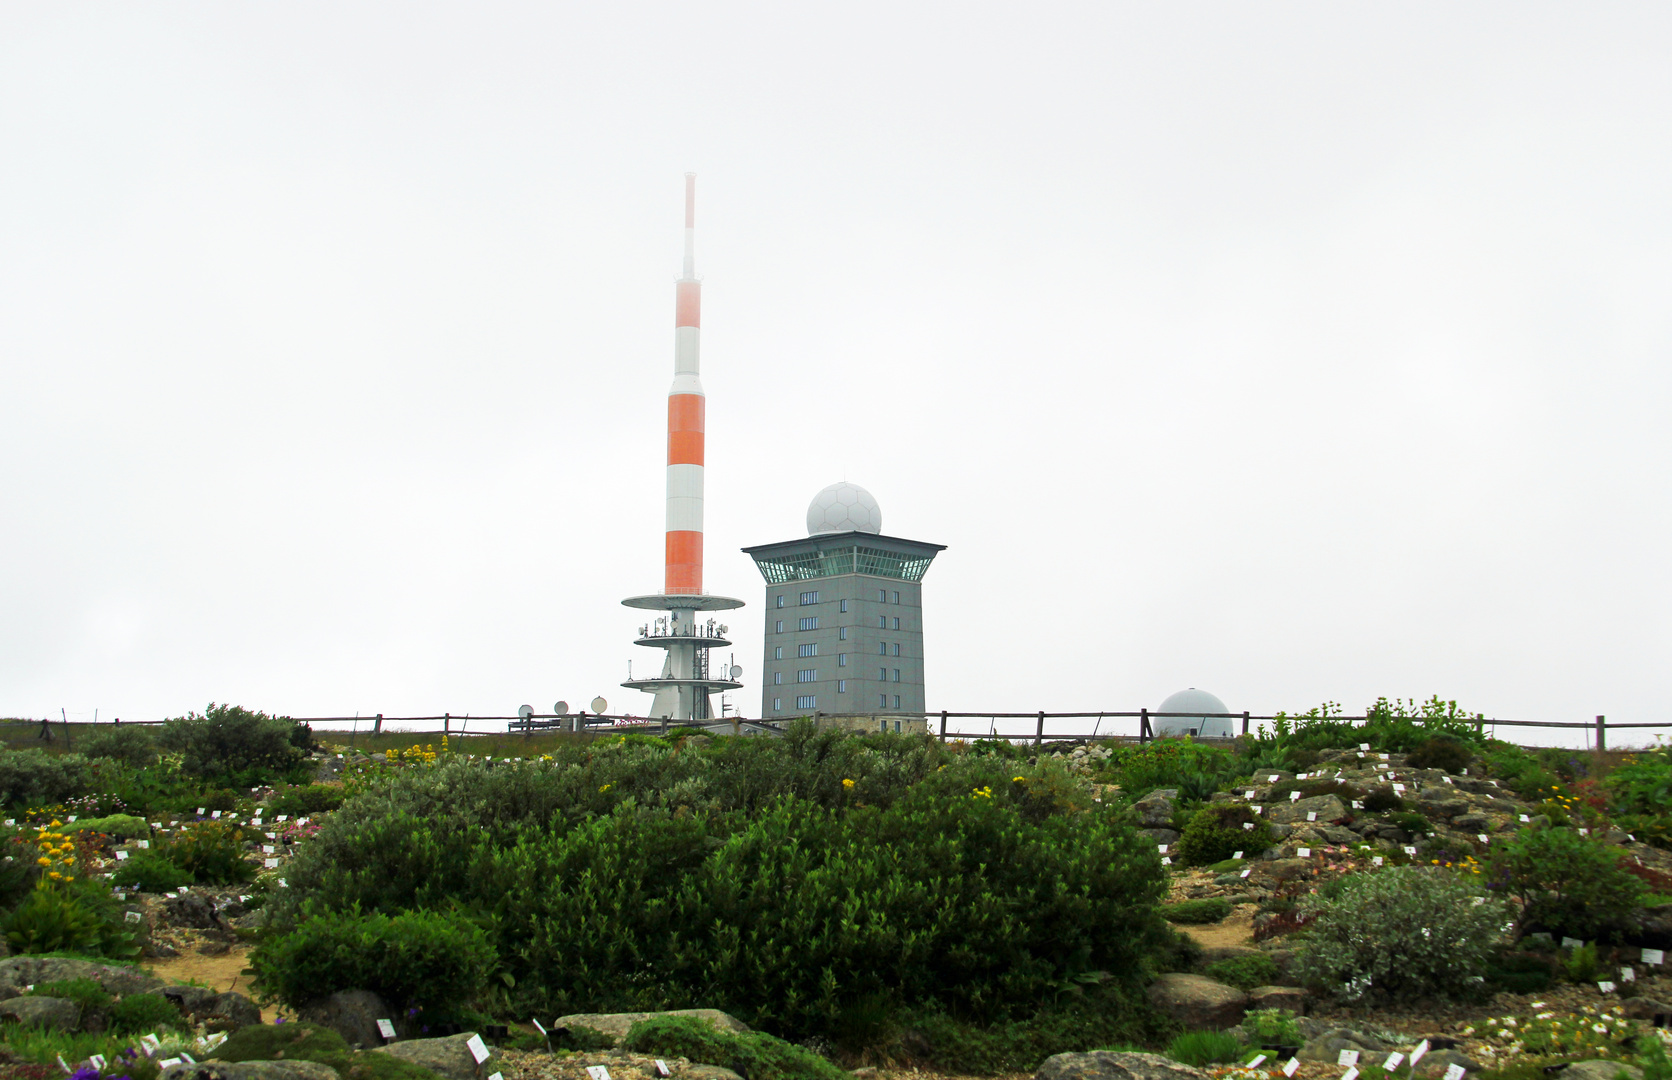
point(224, 972)
point(1237, 928)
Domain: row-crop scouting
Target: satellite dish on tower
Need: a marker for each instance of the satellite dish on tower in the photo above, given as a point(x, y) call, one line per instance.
point(561, 708)
point(525, 711)
point(736, 671)
point(599, 705)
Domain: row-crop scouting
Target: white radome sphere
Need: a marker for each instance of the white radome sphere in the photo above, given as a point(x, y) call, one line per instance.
point(842, 508)
point(1193, 701)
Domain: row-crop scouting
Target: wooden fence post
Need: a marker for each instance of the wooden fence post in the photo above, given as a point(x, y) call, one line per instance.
point(1245, 722)
point(446, 723)
point(943, 726)
point(377, 728)
point(1143, 726)
point(1602, 734)
point(1039, 732)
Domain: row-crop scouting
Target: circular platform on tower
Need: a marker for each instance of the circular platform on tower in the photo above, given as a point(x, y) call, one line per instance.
point(682, 602)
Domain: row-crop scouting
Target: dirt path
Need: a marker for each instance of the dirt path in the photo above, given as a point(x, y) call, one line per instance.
point(222, 973)
point(1237, 928)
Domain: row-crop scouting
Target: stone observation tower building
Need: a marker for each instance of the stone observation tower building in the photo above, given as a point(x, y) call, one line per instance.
point(844, 617)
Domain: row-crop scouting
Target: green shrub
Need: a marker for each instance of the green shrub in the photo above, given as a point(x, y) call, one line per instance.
point(1244, 972)
point(37, 778)
point(1583, 965)
point(1271, 1028)
point(128, 743)
point(1200, 1049)
point(53, 920)
point(150, 871)
point(1381, 799)
point(84, 992)
point(212, 852)
point(1412, 822)
point(1196, 770)
point(138, 1014)
point(754, 1054)
point(1210, 910)
point(310, 1042)
point(1568, 884)
point(1642, 783)
point(1446, 754)
point(232, 742)
point(1104, 1017)
point(1519, 973)
point(1400, 932)
point(1216, 831)
point(420, 959)
point(748, 876)
point(304, 800)
point(121, 826)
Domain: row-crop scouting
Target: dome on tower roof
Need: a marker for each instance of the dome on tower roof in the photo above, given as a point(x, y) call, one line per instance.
point(1193, 701)
point(842, 508)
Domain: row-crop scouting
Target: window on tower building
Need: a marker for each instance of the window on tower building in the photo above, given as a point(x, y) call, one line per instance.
point(811, 623)
point(841, 686)
point(780, 602)
point(777, 704)
point(842, 660)
point(896, 674)
point(841, 633)
point(896, 723)
point(844, 607)
point(882, 703)
point(809, 598)
point(896, 648)
point(896, 598)
point(882, 674)
point(807, 650)
point(882, 596)
point(896, 701)
point(780, 626)
point(896, 622)
point(777, 678)
point(807, 701)
point(882, 622)
point(807, 675)
point(778, 652)
point(882, 648)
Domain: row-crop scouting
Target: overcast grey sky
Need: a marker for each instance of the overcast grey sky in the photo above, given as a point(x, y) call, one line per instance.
point(1291, 351)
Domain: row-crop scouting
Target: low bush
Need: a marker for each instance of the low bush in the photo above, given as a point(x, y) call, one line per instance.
point(1568, 884)
point(228, 742)
point(414, 959)
point(1271, 1028)
point(754, 1054)
point(37, 778)
point(1412, 822)
point(1210, 910)
point(152, 872)
point(1519, 973)
point(1382, 799)
point(138, 1014)
point(84, 992)
point(1200, 1049)
point(212, 852)
point(1400, 932)
point(1642, 782)
point(1216, 832)
point(53, 920)
point(303, 800)
point(1106, 1016)
point(1196, 770)
point(121, 826)
point(1244, 972)
point(1583, 965)
point(1445, 754)
point(130, 744)
point(309, 1042)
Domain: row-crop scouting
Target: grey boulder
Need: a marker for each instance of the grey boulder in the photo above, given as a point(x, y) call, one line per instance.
point(1292, 998)
point(1197, 1001)
point(707, 1072)
point(47, 1012)
point(21, 971)
point(1155, 810)
point(616, 1025)
point(1329, 809)
point(250, 1070)
point(1328, 1046)
point(1111, 1065)
point(449, 1057)
point(1599, 1070)
point(353, 1014)
point(218, 1011)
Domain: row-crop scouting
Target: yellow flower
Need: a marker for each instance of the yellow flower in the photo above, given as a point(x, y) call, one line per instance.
point(847, 783)
point(43, 861)
point(603, 789)
point(1016, 779)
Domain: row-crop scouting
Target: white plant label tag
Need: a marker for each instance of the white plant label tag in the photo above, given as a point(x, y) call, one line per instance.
point(132, 916)
point(1409, 850)
point(281, 817)
point(1294, 796)
point(1376, 860)
point(187, 1058)
point(386, 1029)
point(1417, 1054)
point(145, 845)
point(478, 1048)
point(1248, 826)
point(662, 1068)
point(1272, 779)
point(1351, 1073)
point(1571, 943)
point(1605, 986)
point(1454, 1072)
point(97, 1061)
point(168, 1063)
point(1399, 787)
point(1259, 1059)
point(1166, 860)
point(70, 818)
point(1525, 818)
point(1312, 815)
point(121, 856)
point(541, 1028)
point(1347, 1057)
point(1258, 809)
point(216, 815)
point(1161, 848)
point(1393, 1061)
point(1236, 854)
point(1245, 873)
point(1303, 853)
point(1357, 805)
point(1628, 975)
point(1364, 746)
point(271, 863)
point(1484, 838)
point(283, 884)
point(202, 810)
point(496, 1076)
point(1447, 779)
point(1584, 832)
point(597, 1072)
point(1654, 956)
point(1290, 1066)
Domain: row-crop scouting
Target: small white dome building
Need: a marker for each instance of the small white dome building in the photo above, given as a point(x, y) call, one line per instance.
point(843, 508)
point(1201, 726)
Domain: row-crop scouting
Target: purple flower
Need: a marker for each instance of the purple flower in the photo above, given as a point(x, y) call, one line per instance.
point(86, 1072)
